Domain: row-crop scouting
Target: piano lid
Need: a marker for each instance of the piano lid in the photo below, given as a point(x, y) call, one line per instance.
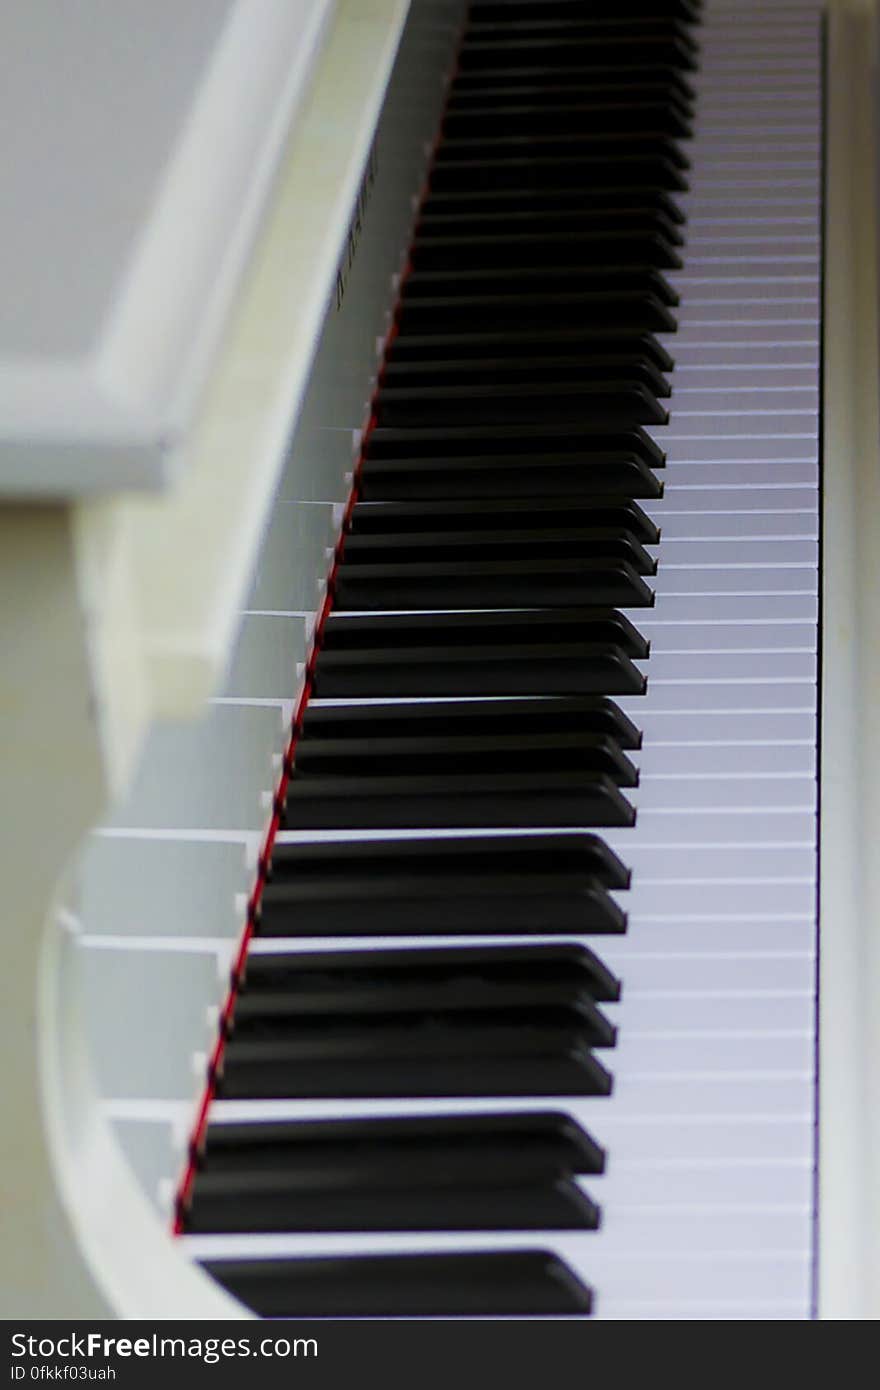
point(141, 144)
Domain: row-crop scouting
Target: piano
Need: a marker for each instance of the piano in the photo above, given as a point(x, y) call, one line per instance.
point(439, 471)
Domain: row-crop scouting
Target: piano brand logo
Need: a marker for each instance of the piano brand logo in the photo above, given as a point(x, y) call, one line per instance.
point(356, 225)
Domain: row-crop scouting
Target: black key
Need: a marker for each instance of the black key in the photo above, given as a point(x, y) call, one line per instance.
point(581, 346)
point(550, 280)
point(504, 11)
point(579, 401)
point(487, 442)
point(593, 228)
point(460, 977)
point(578, 667)
point(512, 583)
point(623, 57)
point(649, 107)
point(609, 175)
point(566, 247)
point(440, 672)
point(625, 204)
point(482, 313)
point(413, 1149)
point(408, 755)
point(536, 25)
point(570, 111)
point(412, 518)
point(460, 717)
point(481, 884)
point(448, 547)
point(604, 144)
point(496, 1284)
point(451, 1172)
point(510, 799)
point(511, 475)
point(408, 518)
point(263, 1021)
point(521, 1052)
point(541, 666)
point(583, 80)
point(340, 1201)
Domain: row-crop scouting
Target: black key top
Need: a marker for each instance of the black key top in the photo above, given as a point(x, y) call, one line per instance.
point(448, 547)
point(587, 80)
point(529, 280)
point(451, 717)
point(449, 444)
point(459, 977)
point(582, 346)
point(504, 515)
point(609, 175)
point(411, 518)
point(315, 1202)
point(511, 475)
point(578, 401)
point(405, 755)
point(511, 1283)
point(506, 800)
point(521, 1052)
point(441, 671)
point(450, 1172)
point(511, 583)
point(274, 1026)
point(625, 53)
point(567, 247)
point(482, 313)
point(419, 1149)
point(593, 228)
point(473, 543)
point(647, 107)
point(512, 115)
point(452, 886)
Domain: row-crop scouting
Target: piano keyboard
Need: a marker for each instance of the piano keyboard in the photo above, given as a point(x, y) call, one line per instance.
point(525, 1019)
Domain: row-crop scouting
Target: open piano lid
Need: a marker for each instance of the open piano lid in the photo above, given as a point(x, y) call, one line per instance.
point(144, 142)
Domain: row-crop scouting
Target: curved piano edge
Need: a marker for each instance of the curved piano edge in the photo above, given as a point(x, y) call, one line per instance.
point(78, 1239)
point(127, 1264)
point(849, 973)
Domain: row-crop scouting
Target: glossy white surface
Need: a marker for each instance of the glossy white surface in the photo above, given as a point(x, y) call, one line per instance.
point(140, 145)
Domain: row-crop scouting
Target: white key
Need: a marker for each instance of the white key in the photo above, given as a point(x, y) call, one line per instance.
point(682, 609)
point(682, 899)
point(722, 862)
point(744, 637)
point(753, 695)
point(744, 759)
point(742, 665)
point(773, 522)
